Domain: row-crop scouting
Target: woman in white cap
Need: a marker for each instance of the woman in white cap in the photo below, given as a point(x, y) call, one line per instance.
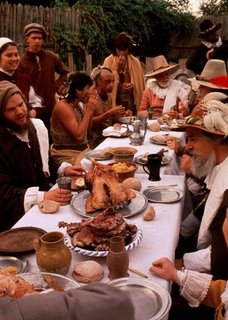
point(9, 61)
point(164, 95)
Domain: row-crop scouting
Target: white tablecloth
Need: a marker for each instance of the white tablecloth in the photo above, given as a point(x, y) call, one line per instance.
point(160, 235)
point(147, 146)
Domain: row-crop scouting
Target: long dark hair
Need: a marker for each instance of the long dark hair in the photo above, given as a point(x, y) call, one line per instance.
point(78, 81)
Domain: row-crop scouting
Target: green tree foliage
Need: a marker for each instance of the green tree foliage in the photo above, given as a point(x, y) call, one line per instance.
point(151, 24)
point(214, 7)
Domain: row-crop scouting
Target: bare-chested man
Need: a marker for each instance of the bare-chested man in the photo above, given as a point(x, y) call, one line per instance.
point(104, 114)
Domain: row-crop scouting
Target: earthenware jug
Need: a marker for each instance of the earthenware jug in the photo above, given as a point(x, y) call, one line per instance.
point(117, 258)
point(52, 255)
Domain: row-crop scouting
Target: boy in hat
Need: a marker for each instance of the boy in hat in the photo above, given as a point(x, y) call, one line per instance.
point(164, 94)
point(41, 65)
point(211, 47)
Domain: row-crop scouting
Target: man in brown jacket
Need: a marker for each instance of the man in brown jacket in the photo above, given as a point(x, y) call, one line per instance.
point(41, 65)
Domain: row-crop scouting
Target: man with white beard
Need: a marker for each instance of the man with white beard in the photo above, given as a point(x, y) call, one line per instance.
point(207, 130)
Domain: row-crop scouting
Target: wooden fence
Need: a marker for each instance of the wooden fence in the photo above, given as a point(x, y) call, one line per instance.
point(15, 17)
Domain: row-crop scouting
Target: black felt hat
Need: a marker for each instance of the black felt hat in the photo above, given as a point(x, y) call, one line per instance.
point(207, 27)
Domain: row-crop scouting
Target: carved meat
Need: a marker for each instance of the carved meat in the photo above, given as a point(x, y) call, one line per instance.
point(95, 233)
point(106, 191)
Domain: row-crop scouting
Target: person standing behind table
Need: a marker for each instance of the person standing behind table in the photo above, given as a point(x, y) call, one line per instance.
point(41, 65)
point(164, 95)
point(9, 61)
point(71, 120)
point(211, 47)
point(23, 170)
point(104, 112)
point(129, 77)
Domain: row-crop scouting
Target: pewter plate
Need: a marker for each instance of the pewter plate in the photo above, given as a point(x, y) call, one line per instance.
point(140, 160)
point(37, 279)
point(97, 155)
point(93, 253)
point(151, 301)
point(136, 205)
point(9, 261)
point(163, 194)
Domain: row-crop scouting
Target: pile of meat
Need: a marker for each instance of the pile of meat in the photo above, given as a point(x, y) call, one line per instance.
point(14, 286)
point(95, 233)
point(105, 190)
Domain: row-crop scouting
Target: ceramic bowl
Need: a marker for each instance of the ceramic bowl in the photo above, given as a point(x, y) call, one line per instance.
point(121, 172)
point(124, 154)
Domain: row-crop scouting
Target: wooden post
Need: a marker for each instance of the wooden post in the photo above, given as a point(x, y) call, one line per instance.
point(70, 59)
point(88, 63)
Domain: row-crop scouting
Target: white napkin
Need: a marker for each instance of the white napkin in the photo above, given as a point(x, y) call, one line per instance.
point(110, 131)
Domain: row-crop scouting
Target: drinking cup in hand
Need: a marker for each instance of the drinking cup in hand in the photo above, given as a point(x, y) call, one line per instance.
point(64, 183)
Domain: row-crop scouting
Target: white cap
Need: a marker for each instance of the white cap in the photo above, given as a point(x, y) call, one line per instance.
point(4, 41)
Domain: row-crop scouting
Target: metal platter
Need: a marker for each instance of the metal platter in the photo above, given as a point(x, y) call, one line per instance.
point(37, 279)
point(91, 253)
point(19, 240)
point(9, 261)
point(151, 301)
point(97, 155)
point(163, 194)
point(136, 205)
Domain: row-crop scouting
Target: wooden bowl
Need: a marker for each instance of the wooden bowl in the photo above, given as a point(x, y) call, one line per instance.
point(124, 154)
point(122, 175)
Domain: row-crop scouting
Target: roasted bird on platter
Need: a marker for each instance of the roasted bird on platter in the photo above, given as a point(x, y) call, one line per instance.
point(105, 190)
point(95, 233)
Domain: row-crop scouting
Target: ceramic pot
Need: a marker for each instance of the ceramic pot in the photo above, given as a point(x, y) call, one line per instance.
point(117, 258)
point(52, 255)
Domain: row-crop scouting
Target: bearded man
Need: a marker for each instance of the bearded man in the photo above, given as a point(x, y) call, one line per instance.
point(207, 130)
point(24, 168)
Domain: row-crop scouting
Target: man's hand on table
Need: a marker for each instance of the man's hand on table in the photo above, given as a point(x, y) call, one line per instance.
point(62, 196)
point(164, 269)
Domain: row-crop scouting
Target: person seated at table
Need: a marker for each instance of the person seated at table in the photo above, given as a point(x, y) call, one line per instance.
point(24, 167)
point(104, 112)
point(71, 120)
point(164, 95)
point(207, 130)
point(129, 77)
point(95, 301)
point(197, 288)
point(203, 83)
point(9, 61)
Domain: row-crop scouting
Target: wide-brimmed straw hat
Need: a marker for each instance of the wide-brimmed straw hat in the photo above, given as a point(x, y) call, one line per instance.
point(160, 65)
point(213, 68)
point(207, 27)
point(210, 116)
point(35, 27)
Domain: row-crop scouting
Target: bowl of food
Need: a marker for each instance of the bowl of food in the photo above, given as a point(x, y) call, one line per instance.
point(124, 170)
point(124, 154)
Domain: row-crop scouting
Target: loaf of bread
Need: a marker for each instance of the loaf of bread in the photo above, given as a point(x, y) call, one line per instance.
point(48, 206)
point(88, 271)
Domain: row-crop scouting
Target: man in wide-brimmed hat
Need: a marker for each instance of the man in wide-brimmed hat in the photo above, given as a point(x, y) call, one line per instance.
point(207, 140)
point(42, 66)
point(164, 95)
point(211, 47)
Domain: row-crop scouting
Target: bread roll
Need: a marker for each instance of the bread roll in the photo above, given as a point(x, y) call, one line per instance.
point(117, 126)
point(155, 126)
point(132, 183)
point(88, 271)
point(149, 214)
point(48, 206)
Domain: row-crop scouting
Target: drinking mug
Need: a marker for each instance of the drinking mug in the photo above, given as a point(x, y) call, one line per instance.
point(64, 183)
point(153, 165)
